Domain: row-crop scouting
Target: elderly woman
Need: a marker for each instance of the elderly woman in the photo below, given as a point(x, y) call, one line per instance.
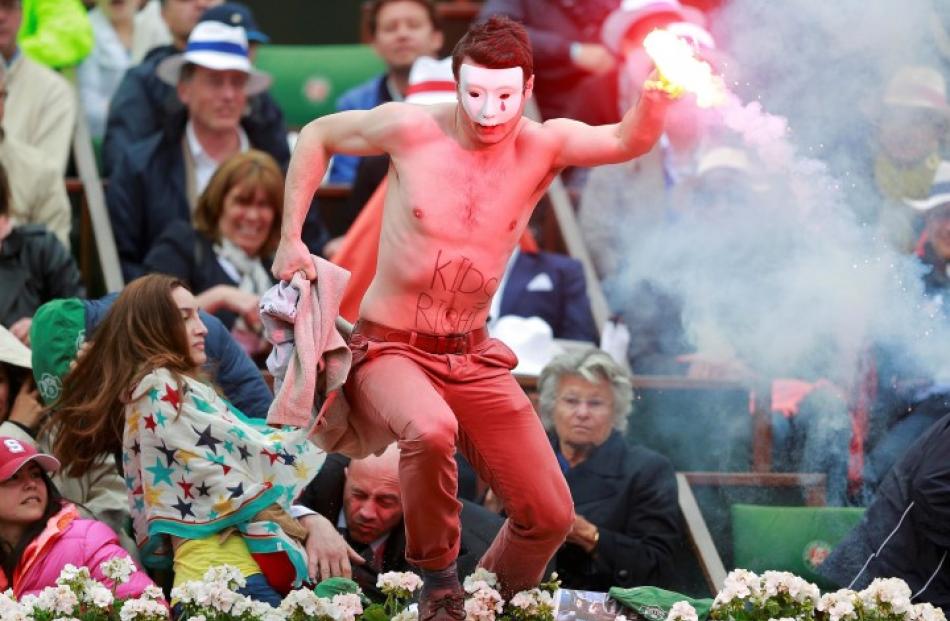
point(225, 257)
point(625, 496)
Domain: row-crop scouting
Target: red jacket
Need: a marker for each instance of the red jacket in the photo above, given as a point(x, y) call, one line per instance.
point(68, 539)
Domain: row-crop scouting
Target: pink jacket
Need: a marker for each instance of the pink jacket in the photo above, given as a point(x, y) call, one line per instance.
point(68, 539)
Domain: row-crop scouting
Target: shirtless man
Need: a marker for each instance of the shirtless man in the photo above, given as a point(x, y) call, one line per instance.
point(463, 181)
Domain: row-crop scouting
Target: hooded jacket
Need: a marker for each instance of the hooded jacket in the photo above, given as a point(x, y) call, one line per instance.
point(67, 539)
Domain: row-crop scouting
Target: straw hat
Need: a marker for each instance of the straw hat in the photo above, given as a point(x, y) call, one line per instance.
point(216, 46)
point(918, 87)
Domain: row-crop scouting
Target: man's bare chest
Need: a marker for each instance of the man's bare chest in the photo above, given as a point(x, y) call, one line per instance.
point(462, 191)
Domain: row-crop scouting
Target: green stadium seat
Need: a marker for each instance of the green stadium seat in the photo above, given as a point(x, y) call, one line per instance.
point(308, 79)
point(795, 539)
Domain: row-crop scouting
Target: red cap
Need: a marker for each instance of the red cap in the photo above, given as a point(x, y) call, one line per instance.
point(14, 454)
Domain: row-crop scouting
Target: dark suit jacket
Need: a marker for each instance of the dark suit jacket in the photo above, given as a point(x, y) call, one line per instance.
point(147, 192)
point(630, 494)
point(565, 306)
point(324, 494)
point(143, 104)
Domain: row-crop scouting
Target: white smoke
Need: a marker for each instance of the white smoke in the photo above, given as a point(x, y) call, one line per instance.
point(796, 281)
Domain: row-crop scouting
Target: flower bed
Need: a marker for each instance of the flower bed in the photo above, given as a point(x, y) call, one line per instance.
point(745, 596)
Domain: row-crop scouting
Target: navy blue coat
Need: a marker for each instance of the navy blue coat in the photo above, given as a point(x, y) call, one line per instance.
point(629, 492)
point(241, 381)
point(564, 306)
point(144, 105)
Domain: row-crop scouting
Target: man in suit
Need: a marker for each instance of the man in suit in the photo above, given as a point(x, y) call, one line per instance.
point(362, 498)
point(550, 286)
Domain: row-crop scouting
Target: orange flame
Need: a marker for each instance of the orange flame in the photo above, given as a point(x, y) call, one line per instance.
point(680, 70)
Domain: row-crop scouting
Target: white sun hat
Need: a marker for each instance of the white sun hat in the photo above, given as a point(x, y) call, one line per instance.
point(219, 47)
point(532, 340)
point(431, 82)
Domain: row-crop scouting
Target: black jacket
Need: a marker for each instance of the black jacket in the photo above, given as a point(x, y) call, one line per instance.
point(34, 269)
point(630, 494)
point(144, 105)
point(908, 525)
point(325, 495)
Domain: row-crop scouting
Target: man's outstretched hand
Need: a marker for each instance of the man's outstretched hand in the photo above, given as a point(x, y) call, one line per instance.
point(293, 256)
point(328, 554)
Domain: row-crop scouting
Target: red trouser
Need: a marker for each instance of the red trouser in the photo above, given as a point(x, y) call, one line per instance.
point(432, 403)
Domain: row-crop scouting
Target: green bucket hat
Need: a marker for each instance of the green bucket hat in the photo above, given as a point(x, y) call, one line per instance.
point(57, 331)
point(654, 604)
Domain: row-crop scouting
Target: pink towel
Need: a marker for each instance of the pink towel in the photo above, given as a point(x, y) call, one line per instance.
point(311, 360)
point(319, 352)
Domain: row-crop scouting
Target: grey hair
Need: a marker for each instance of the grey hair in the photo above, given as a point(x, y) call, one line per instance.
point(594, 365)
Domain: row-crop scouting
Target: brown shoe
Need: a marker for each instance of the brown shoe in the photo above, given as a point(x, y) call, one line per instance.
point(442, 606)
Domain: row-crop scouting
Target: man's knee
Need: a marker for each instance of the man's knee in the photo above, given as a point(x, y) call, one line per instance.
point(556, 519)
point(433, 436)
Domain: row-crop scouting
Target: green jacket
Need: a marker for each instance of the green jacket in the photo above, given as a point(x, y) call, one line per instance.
point(56, 33)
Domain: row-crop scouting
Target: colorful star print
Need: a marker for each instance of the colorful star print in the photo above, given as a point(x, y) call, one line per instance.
point(183, 507)
point(160, 473)
point(206, 439)
point(172, 396)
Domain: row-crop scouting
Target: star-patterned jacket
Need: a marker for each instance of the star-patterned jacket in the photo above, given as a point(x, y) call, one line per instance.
point(194, 465)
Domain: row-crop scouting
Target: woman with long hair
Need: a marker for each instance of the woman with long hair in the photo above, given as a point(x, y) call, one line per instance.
point(32, 510)
point(207, 485)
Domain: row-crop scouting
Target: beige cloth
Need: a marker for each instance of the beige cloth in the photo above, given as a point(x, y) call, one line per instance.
point(40, 109)
point(37, 188)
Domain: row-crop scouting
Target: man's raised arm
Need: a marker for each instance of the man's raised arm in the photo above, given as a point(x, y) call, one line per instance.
point(634, 135)
point(354, 132)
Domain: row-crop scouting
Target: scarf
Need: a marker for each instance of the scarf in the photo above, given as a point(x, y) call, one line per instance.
point(196, 466)
point(252, 277)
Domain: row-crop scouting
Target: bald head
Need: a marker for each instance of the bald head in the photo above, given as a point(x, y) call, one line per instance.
point(371, 499)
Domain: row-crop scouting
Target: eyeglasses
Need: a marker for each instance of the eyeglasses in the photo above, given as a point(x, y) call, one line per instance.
point(593, 405)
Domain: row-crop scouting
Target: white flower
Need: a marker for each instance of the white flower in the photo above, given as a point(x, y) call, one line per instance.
point(226, 574)
point(889, 592)
point(739, 584)
point(349, 605)
point(99, 595)
point(118, 569)
point(480, 578)
point(71, 573)
point(143, 608)
point(153, 592)
point(782, 582)
point(197, 618)
point(484, 604)
point(839, 605)
point(308, 603)
point(402, 583)
point(926, 612)
point(534, 602)
point(57, 600)
point(682, 611)
point(620, 618)
point(409, 614)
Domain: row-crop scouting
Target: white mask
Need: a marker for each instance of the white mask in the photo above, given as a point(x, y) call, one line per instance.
point(491, 96)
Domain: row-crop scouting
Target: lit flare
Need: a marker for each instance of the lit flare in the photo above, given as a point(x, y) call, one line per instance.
point(680, 71)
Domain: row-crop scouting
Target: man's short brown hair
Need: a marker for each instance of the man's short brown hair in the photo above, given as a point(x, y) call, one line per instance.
point(497, 43)
point(378, 5)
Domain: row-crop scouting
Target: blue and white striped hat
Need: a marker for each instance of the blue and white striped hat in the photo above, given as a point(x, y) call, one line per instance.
point(939, 191)
point(219, 47)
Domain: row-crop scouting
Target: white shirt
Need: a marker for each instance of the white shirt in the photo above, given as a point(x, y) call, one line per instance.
point(205, 165)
